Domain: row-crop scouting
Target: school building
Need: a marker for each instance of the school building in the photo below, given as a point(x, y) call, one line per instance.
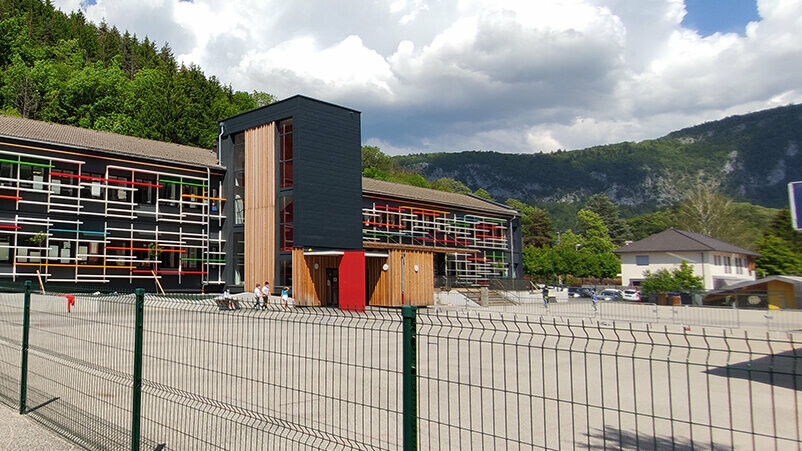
point(281, 200)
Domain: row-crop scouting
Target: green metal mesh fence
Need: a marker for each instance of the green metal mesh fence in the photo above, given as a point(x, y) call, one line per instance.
point(268, 379)
point(214, 378)
point(10, 347)
point(504, 381)
point(80, 366)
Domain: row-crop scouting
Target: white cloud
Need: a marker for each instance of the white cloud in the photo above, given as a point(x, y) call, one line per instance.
point(512, 76)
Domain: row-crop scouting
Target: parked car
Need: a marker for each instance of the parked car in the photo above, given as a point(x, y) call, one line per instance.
point(586, 292)
point(631, 295)
point(574, 292)
point(610, 295)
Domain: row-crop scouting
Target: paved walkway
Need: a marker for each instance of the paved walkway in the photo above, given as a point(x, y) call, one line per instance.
point(18, 432)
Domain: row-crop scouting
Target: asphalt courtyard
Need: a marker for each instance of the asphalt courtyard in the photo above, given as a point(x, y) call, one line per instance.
point(18, 432)
point(320, 378)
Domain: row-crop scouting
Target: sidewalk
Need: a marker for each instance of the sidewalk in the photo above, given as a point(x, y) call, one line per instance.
point(18, 432)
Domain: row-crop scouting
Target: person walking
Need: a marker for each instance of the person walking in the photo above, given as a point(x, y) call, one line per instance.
point(227, 296)
point(265, 294)
point(545, 294)
point(257, 293)
point(594, 299)
point(285, 296)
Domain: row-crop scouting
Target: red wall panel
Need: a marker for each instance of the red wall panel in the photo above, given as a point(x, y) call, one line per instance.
point(352, 281)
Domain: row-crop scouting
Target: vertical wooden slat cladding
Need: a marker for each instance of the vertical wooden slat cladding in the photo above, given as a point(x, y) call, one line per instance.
point(308, 283)
point(260, 205)
point(386, 285)
point(378, 284)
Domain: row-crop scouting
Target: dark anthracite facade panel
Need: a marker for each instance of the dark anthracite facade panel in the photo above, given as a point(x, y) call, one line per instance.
point(517, 251)
point(277, 111)
point(327, 169)
point(226, 155)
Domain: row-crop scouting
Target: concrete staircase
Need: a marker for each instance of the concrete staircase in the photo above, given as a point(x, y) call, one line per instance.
point(494, 297)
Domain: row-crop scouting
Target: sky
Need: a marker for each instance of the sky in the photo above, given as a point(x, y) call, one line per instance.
point(514, 76)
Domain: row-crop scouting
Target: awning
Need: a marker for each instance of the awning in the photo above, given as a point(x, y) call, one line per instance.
point(339, 253)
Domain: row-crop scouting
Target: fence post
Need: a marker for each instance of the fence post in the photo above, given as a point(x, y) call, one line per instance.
point(26, 326)
point(410, 378)
point(137, 394)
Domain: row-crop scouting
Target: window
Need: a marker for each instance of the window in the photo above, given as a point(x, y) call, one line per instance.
point(239, 203)
point(118, 256)
point(238, 149)
point(238, 145)
point(91, 253)
point(169, 260)
point(169, 191)
point(727, 265)
point(285, 272)
point(642, 260)
point(65, 252)
point(717, 260)
point(194, 194)
point(285, 153)
point(62, 250)
point(239, 252)
point(38, 177)
point(25, 174)
point(5, 250)
point(118, 191)
point(145, 194)
point(191, 260)
point(55, 185)
point(63, 185)
point(214, 203)
point(91, 188)
point(285, 223)
point(83, 250)
point(7, 171)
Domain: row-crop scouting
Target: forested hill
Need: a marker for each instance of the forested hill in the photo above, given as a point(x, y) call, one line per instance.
point(60, 68)
point(752, 156)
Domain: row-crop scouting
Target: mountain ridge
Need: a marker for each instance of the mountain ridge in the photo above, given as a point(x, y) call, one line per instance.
point(751, 157)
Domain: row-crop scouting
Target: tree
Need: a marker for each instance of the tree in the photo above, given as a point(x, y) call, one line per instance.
point(450, 185)
point(781, 227)
point(481, 192)
point(261, 99)
point(608, 211)
point(373, 157)
point(595, 253)
point(777, 257)
point(679, 279)
point(536, 227)
point(538, 261)
point(595, 234)
point(648, 224)
point(780, 247)
point(707, 211)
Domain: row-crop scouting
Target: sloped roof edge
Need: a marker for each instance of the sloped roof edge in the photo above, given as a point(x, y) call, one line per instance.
point(102, 141)
point(675, 240)
point(400, 190)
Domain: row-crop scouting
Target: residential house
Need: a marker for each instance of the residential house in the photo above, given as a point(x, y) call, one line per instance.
point(717, 262)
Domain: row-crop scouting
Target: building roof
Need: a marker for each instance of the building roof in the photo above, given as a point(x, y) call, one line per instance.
point(58, 134)
point(381, 187)
point(794, 280)
point(674, 240)
point(287, 100)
